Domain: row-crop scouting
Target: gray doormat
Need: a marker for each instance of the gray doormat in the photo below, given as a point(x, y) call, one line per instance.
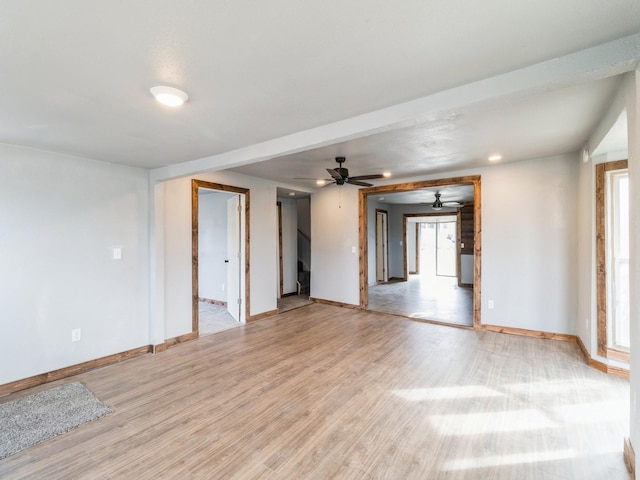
point(38, 417)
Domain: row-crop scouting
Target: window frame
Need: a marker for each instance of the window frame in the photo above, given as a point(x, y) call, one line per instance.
point(602, 254)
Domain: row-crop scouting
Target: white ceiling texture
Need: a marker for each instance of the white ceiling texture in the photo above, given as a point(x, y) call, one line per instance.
point(278, 89)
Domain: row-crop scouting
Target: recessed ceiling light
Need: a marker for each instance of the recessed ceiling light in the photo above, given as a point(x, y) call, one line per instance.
point(320, 182)
point(495, 158)
point(386, 174)
point(169, 96)
point(292, 194)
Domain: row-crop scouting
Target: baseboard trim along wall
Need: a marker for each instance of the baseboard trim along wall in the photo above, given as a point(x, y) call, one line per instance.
point(564, 337)
point(260, 316)
point(222, 303)
point(36, 380)
point(601, 366)
point(331, 302)
point(629, 457)
point(40, 379)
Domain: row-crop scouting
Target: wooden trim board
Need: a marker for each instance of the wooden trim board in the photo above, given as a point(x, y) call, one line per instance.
point(629, 457)
point(564, 337)
point(262, 315)
point(220, 303)
point(29, 382)
point(195, 184)
point(601, 250)
point(364, 193)
point(335, 304)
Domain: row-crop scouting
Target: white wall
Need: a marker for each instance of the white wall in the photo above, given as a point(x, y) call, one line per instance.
point(529, 243)
point(212, 245)
point(60, 217)
point(334, 234)
point(289, 244)
point(177, 246)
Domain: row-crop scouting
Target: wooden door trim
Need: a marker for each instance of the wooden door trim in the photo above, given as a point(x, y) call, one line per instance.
point(195, 184)
point(364, 193)
point(385, 234)
point(280, 260)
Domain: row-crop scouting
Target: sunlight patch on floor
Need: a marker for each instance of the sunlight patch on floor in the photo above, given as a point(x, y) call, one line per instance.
point(443, 393)
point(509, 459)
point(585, 413)
point(491, 422)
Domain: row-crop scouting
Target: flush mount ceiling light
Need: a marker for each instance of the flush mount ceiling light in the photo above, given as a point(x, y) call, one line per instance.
point(169, 96)
point(495, 158)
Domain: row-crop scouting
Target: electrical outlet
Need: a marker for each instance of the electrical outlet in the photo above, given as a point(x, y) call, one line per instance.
point(117, 253)
point(490, 304)
point(76, 335)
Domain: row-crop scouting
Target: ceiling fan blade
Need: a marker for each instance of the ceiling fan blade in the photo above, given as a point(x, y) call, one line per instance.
point(367, 177)
point(334, 174)
point(353, 181)
point(452, 204)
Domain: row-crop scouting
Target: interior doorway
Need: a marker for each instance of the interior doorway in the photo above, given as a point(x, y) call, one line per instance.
point(220, 283)
point(454, 290)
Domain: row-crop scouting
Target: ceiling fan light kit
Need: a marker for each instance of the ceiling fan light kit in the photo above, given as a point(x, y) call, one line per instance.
point(340, 175)
point(438, 204)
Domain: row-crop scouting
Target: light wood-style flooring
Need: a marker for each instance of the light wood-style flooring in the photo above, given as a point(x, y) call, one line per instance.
point(323, 392)
point(425, 297)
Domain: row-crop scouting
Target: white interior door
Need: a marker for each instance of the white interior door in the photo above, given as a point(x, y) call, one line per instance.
point(234, 258)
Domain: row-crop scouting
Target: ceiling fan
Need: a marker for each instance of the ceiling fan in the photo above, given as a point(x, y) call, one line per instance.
point(438, 204)
point(340, 175)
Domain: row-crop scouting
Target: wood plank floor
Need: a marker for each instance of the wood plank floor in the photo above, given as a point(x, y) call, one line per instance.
point(425, 297)
point(328, 393)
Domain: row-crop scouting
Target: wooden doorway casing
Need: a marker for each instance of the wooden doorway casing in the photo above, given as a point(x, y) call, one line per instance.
point(364, 193)
point(195, 184)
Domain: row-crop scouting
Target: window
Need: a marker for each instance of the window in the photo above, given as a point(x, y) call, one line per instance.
point(612, 258)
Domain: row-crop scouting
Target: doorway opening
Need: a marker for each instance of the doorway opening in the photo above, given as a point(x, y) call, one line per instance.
point(294, 252)
point(220, 250)
point(439, 283)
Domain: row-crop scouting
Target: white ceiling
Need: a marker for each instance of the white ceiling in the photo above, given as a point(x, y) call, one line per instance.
point(75, 77)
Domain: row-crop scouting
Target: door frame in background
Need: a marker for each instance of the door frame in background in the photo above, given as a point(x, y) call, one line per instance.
point(195, 184)
point(363, 208)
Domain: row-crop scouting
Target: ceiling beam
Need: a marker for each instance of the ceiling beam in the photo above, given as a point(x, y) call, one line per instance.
point(596, 63)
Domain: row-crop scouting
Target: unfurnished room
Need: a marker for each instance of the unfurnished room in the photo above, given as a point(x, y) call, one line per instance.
point(319, 240)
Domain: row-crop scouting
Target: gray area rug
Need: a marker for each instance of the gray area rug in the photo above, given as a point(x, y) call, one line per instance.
point(38, 417)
